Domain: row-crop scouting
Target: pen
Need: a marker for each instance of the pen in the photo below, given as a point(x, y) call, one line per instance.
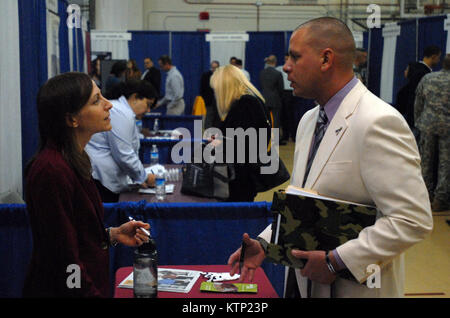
point(241, 258)
point(143, 230)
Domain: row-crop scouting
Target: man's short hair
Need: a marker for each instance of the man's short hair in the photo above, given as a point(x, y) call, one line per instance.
point(239, 62)
point(332, 32)
point(431, 50)
point(271, 59)
point(165, 59)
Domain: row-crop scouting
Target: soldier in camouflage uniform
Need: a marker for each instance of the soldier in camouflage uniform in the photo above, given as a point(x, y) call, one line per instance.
point(432, 118)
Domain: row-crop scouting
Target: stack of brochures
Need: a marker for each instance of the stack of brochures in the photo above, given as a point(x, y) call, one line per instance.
point(169, 280)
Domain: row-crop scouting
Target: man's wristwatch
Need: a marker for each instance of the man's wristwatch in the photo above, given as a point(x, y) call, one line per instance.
point(263, 243)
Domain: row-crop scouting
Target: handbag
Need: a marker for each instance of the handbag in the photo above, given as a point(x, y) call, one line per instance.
point(265, 182)
point(209, 180)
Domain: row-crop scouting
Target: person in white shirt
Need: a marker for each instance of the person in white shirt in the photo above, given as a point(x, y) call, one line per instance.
point(174, 88)
point(115, 154)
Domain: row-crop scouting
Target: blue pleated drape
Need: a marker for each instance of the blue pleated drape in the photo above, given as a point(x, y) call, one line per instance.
point(33, 64)
point(405, 52)
point(191, 55)
point(64, 57)
point(185, 234)
point(33, 69)
point(78, 49)
point(376, 57)
point(431, 32)
point(151, 44)
point(259, 46)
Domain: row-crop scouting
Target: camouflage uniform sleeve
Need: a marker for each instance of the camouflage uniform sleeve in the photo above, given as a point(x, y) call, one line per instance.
point(419, 102)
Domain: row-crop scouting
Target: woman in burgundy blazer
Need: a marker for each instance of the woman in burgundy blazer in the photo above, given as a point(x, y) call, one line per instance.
point(70, 242)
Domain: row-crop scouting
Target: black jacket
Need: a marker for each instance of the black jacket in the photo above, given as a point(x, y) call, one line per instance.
point(154, 77)
point(272, 87)
point(246, 112)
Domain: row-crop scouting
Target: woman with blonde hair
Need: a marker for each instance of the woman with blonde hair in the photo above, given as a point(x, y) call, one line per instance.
point(240, 105)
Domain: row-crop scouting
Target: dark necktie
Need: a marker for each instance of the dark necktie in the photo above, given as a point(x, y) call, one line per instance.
point(319, 132)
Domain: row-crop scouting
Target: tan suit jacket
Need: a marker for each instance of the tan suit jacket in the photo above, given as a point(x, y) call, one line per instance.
point(368, 155)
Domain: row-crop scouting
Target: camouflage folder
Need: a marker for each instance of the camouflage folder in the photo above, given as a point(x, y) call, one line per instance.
point(307, 223)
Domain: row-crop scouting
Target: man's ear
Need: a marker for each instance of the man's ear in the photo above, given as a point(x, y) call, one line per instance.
point(327, 59)
point(71, 121)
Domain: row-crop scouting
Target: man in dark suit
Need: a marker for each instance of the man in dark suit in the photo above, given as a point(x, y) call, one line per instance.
point(417, 70)
point(212, 116)
point(152, 74)
point(272, 89)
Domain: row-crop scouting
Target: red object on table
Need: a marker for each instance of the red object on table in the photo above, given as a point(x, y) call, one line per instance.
point(265, 288)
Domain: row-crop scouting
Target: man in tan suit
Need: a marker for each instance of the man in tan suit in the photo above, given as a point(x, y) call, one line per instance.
point(364, 152)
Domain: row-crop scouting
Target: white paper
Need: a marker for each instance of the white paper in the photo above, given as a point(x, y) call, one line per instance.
point(220, 277)
point(312, 194)
point(169, 280)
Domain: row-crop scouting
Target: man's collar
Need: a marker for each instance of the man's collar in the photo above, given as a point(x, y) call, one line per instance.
point(431, 70)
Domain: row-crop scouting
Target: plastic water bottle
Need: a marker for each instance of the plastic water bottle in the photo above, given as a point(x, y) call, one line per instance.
point(160, 186)
point(139, 125)
point(145, 271)
point(154, 155)
point(156, 126)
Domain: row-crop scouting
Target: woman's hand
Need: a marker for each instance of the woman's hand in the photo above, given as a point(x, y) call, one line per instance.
point(130, 234)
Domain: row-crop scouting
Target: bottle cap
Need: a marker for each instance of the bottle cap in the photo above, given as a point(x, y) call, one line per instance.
point(148, 248)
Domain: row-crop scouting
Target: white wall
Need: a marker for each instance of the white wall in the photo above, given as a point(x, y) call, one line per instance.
point(10, 119)
point(176, 15)
point(240, 15)
point(119, 15)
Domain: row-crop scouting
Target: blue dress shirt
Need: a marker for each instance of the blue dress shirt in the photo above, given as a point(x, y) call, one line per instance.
point(115, 154)
point(174, 87)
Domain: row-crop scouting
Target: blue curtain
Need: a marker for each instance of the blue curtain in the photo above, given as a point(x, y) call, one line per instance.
point(33, 69)
point(191, 55)
point(259, 46)
point(149, 44)
point(366, 40)
point(376, 57)
point(192, 234)
point(186, 234)
point(431, 32)
point(78, 49)
point(64, 57)
point(405, 52)
point(15, 249)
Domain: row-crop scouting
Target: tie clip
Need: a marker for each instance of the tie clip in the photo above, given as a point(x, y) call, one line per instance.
point(338, 131)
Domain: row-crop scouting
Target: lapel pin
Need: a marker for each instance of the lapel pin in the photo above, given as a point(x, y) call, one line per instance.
point(338, 131)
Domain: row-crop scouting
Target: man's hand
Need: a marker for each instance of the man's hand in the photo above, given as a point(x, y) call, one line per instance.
point(254, 256)
point(316, 268)
point(150, 182)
